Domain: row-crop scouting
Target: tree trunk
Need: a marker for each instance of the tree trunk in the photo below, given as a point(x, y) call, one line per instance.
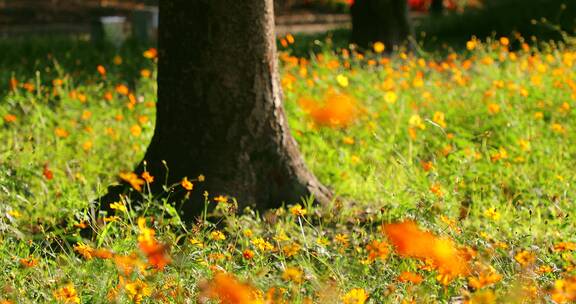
point(436, 7)
point(383, 21)
point(219, 110)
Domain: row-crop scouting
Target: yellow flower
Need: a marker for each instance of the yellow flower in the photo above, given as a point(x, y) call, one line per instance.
point(298, 210)
point(491, 213)
point(293, 274)
point(342, 80)
point(416, 122)
point(87, 145)
point(390, 97)
point(525, 258)
point(483, 297)
point(348, 140)
point(146, 235)
point(117, 60)
point(118, 206)
point(558, 128)
point(14, 213)
point(262, 245)
point(196, 242)
point(186, 184)
point(136, 130)
point(217, 235)
point(248, 233)
point(111, 219)
point(291, 249)
point(504, 41)
point(471, 44)
point(524, 145)
point(342, 240)
point(137, 290)
point(221, 199)
point(493, 108)
point(355, 296)
point(290, 38)
point(379, 47)
point(67, 294)
point(439, 118)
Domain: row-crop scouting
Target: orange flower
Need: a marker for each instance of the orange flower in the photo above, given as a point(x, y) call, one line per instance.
point(126, 264)
point(8, 118)
point(221, 199)
point(564, 246)
point(132, 179)
point(61, 133)
point(248, 254)
point(147, 177)
point(525, 258)
point(150, 53)
point(104, 254)
point(29, 262)
point(377, 250)
point(186, 184)
point(293, 274)
point(228, 290)
point(47, 173)
point(67, 294)
point(84, 250)
point(145, 73)
point(156, 253)
point(484, 279)
point(427, 165)
point(101, 70)
point(411, 277)
point(122, 89)
point(564, 290)
point(108, 96)
point(338, 110)
point(13, 83)
point(409, 240)
point(493, 108)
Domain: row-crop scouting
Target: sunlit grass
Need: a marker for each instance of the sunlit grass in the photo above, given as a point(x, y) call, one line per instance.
point(471, 154)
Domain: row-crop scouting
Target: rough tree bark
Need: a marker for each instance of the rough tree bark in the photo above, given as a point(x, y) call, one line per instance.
point(383, 21)
point(219, 110)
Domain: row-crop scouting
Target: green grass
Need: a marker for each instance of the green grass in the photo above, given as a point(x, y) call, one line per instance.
point(507, 144)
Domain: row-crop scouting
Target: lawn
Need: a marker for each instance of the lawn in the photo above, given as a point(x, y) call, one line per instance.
point(453, 174)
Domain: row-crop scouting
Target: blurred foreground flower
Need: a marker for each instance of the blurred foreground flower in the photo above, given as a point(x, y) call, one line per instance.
point(337, 110)
point(228, 290)
point(409, 240)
